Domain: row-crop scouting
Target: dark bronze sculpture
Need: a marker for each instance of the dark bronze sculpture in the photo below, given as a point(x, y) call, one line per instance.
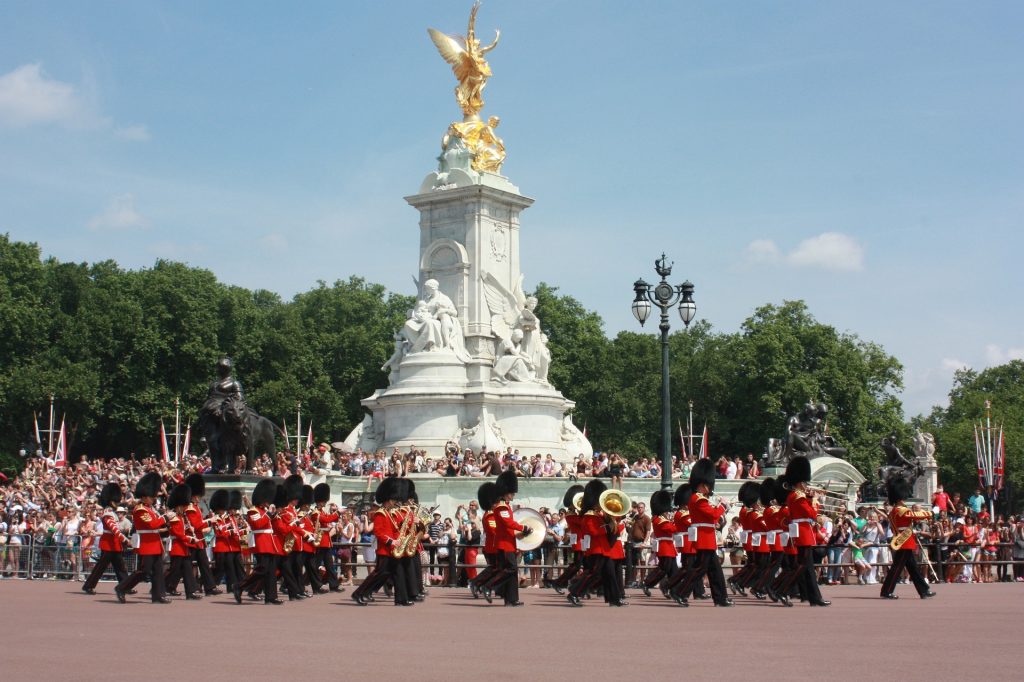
point(805, 435)
point(896, 466)
point(230, 427)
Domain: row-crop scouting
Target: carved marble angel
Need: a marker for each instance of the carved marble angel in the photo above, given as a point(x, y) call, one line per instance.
point(512, 311)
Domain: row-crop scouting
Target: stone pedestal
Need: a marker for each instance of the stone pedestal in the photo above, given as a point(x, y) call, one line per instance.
point(928, 481)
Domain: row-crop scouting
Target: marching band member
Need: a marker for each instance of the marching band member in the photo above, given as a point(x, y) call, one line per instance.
point(286, 523)
point(197, 484)
point(112, 542)
point(902, 520)
point(386, 527)
point(749, 495)
point(759, 544)
point(265, 543)
point(183, 541)
point(771, 541)
point(307, 552)
point(687, 549)
point(225, 537)
point(703, 517)
point(327, 519)
point(486, 495)
point(414, 564)
point(803, 514)
point(507, 529)
point(597, 570)
point(785, 586)
point(148, 524)
point(615, 527)
point(664, 528)
point(572, 528)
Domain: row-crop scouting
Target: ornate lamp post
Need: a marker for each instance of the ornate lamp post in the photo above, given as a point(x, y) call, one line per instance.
point(665, 296)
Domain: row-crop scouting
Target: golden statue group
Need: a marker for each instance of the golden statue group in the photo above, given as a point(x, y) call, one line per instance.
point(472, 71)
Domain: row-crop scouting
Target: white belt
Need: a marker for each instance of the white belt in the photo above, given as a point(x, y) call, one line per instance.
point(702, 525)
point(143, 532)
point(802, 521)
point(261, 532)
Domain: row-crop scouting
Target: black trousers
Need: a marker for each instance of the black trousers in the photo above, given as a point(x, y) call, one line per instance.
point(571, 570)
point(325, 557)
point(311, 573)
point(205, 574)
point(769, 571)
point(106, 559)
point(375, 579)
point(904, 558)
point(666, 568)
point(705, 562)
point(618, 592)
point(291, 567)
point(506, 577)
point(151, 566)
point(227, 565)
point(634, 556)
point(415, 571)
point(398, 570)
point(263, 576)
point(807, 574)
point(181, 569)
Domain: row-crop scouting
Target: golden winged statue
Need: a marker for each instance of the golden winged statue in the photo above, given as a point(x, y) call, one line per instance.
point(467, 60)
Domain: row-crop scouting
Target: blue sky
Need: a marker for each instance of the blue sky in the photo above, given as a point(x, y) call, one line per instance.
point(865, 157)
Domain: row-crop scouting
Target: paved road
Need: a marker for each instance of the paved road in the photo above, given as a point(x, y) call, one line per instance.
point(52, 631)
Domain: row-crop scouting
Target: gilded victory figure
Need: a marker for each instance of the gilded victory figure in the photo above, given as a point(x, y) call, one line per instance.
point(472, 71)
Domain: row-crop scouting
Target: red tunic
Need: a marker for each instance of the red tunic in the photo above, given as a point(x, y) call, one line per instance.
point(663, 531)
point(326, 520)
point(147, 524)
point(506, 528)
point(616, 550)
point(195, 517)
point(262, 526)
point(385, 529)
point(306, 524)
point(704, 517)
point(803, 514)
point(181, 541)
point(490, 532)
point(112, 539)
point(572, 527)
point(760, 533)
point(226, 536)
point(902, 517)
point(287, 521)
point(593, 530)
point(682, 521)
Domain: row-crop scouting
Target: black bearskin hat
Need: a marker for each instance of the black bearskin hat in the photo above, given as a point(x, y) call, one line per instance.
point(281, 496)
point(197, 483)
point(572, 492)
point(749, 494)
point(264, 492)
point(110, 495)
point(592, 494)
point(703, 472)
point(767, 492)
point(386, 490)
point(683, 495)
point(307, 496)
point(235, 500)
point(181, 496)
point(219, 500)
point(409, 490)
point(898, 489)
point(782, 490)
point(487, 495)
point(293, 488)
point(149, 485)
point(661, 502)
point(798, 470)
point(507, 483)
point(321, 493)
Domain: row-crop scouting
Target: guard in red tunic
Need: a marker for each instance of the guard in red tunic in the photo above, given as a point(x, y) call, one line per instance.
point(386, 528)
point(307, 555)
point(507, 529)
point(183, 540)
point(286, 523)
point(704, 517)
point(596, 543)
point(803, 515)
point(149, 547)
point(772, 544)
point(902, 520)
point(326, 518)
point(225, 542)
point(663, 531)
point(571, 502)
point(486, 495)
point(195, 517)
point(264, 543)
point(112, 542)
point(749, 496)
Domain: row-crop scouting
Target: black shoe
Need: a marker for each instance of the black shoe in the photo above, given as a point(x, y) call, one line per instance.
point(784, 601)
point(702, 596)
point(928, 595)
point(339, 588)
point(237, 592)
point(162, 600)
point(474, 591)
point(120, 594)
point(132, 591)
point(679, 599)
point(821, 602)
point(488, 595)
point(724, 602)
point(275, 602)
point(254, 596)
point(194, 595)
point(647, 591)
point(405, 603)
point(358, 598)
point(618, 603)
point(889, 596)
point(733, 588)
point(514, 603)
point(176, 593)
point(88, 590)
point(419, 597)
point(574, 600)
point(215, 591)
point(758, 595)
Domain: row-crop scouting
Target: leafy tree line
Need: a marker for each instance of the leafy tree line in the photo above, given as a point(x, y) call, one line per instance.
point(117, 346)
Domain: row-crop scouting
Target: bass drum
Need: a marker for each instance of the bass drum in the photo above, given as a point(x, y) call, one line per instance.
point(531, 518)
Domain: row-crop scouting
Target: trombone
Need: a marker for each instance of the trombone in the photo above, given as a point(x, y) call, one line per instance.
point(830, 501)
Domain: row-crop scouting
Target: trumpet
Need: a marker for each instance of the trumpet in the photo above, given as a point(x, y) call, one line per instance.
point(831, 501)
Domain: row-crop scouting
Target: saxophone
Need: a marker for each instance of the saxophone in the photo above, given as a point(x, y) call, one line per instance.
point(318, 534)
point(900, 539)
point(405, 534)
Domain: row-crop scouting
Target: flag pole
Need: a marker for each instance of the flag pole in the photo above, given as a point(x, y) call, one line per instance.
point(177, 430)
point(691, 429)
point(298, 426)
point(49, 434)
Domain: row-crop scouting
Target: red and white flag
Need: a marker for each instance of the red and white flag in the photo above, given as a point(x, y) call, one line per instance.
point(704, 454)
point(1000, 459)
point(60, 455)
point(165, 453)
point(39, 440)
point(287, 443)
point(682, 440)
point(309, 438)
point(188, 437)
point(979, 456)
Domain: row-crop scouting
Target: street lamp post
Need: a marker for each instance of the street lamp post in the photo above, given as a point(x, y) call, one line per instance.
point(665, 296)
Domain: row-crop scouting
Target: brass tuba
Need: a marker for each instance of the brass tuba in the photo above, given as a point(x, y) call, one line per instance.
point(615, 503)
point(901, 538)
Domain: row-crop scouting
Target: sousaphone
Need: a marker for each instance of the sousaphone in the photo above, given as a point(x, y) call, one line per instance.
point(615, 503)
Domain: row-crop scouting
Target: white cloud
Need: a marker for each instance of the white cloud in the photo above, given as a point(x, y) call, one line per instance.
point(997, 355)
point(829, 251)
point(952, 364)
point(28, 97)
point(138, 133)
point(120, 214)
point(762, 251)
point(274, 242)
